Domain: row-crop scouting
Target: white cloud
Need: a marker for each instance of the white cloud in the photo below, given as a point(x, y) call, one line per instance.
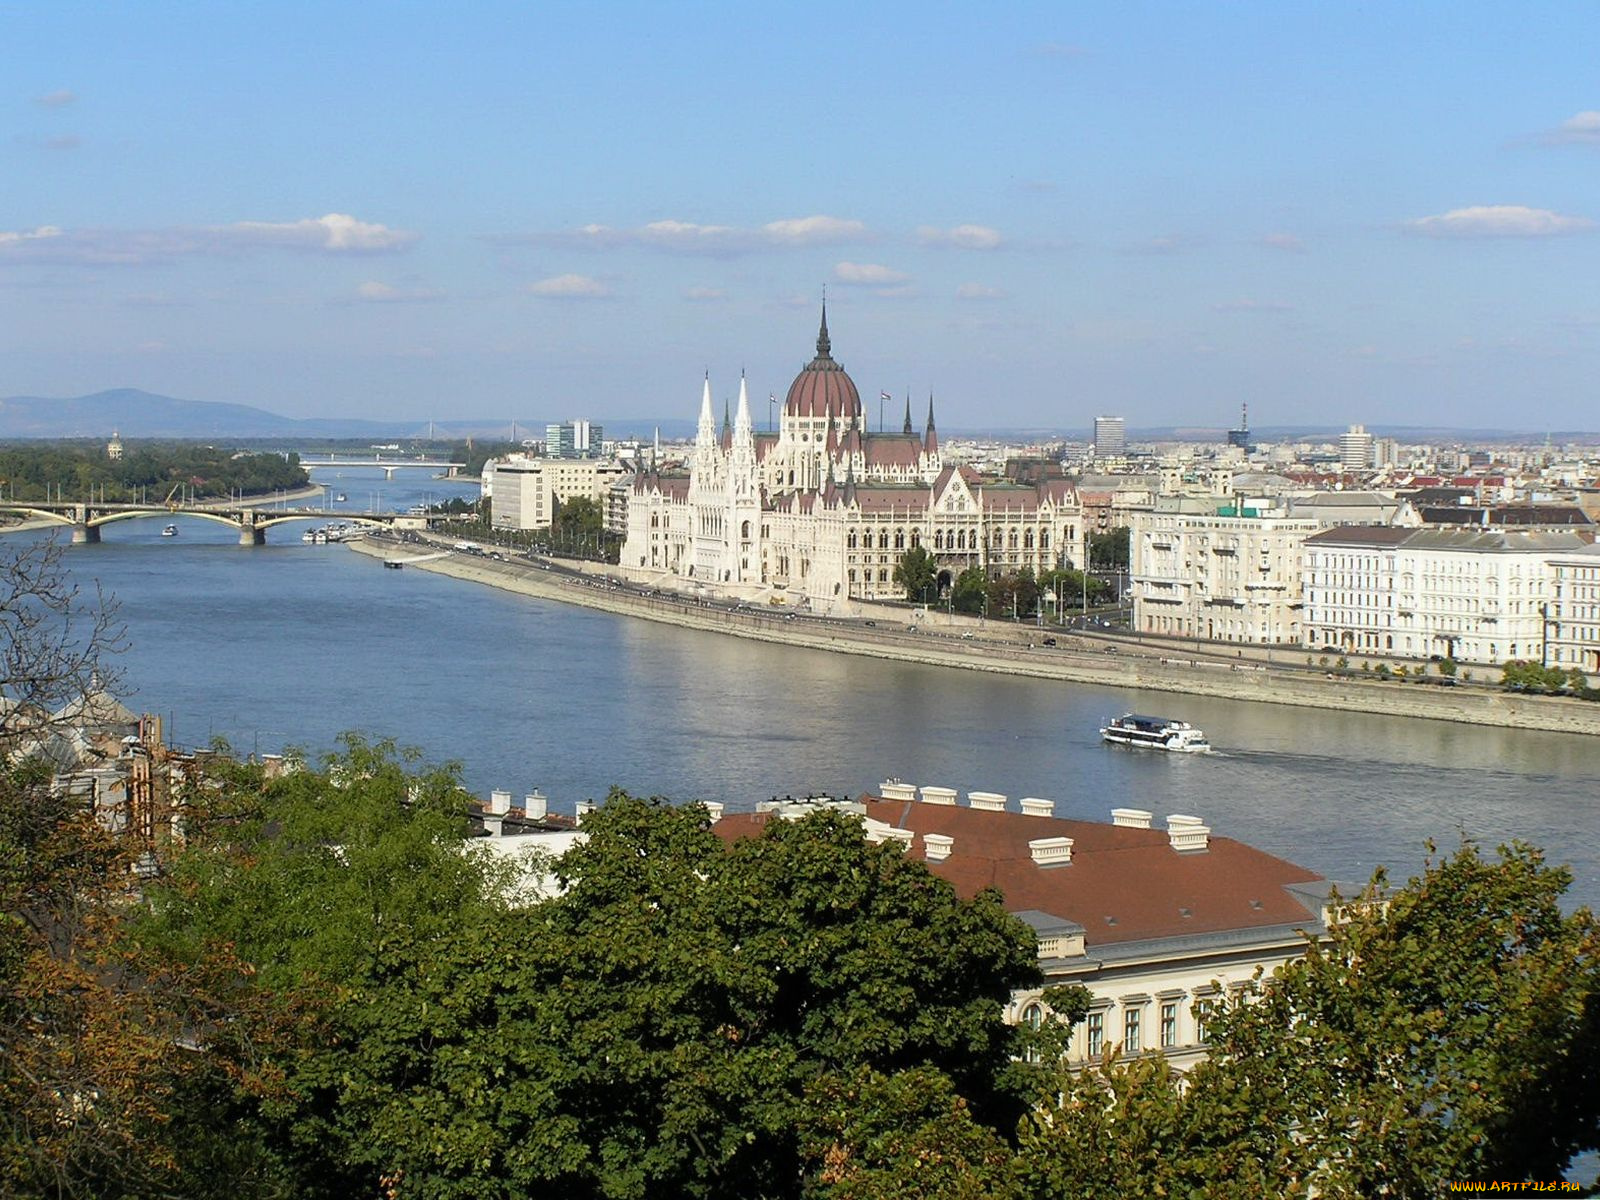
point(1284, 241)
point(705, 293)
point(375, 292)
point(1581, 129)
point(335, 233)
point(716, 241)
point(570, 287)
point(961, 237)
point(979, 291)
point(1251, 306)
point(57, 99)
point(868, 274)
point(1499, 220)
point(815, 231)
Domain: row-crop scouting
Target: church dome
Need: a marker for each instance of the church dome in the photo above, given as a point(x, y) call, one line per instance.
point(823, 389)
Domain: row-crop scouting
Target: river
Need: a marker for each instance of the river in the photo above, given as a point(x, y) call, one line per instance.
point(289, 644)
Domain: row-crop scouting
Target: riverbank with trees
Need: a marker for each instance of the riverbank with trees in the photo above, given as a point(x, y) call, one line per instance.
point(145, 472)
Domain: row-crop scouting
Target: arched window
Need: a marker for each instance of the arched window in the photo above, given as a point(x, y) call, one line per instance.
point(1027, 540)
point(899, 539)
point(938, 539)
point(883, 540)
point(961, 539)
point(744, 531)
point(1032, 1020)
point(850, 541)
point(1013, 539)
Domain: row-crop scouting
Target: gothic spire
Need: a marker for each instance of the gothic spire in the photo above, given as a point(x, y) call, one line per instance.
point(707, 430)
point(742, 426)
point(908, 428)
point(930, 439)
point(824, 346)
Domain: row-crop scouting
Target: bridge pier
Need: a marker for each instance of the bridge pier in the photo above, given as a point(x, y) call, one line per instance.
point(85, 534)
point(251, 534)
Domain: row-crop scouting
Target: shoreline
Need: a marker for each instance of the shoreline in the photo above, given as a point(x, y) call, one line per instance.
point(1012, 655)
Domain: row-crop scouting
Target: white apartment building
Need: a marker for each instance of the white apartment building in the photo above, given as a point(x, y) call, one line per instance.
point(1355, 448)
point(1572, 629)
point(1478, 596)
point(526, 492)
point(1224, 571)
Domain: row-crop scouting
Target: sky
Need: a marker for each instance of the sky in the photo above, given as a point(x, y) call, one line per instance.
point(1035, 213)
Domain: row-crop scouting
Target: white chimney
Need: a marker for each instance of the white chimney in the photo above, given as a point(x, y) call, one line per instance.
point(583, 809)
point(1052, 851)
point(893, 789)
point(499, 803)
point(714, 809)
point(987, 801)
point(535, 805)
point(1032, 806)
point(1187, 834)
point(937, 846)
point(1131, 818)
point(901, 837)
point(938, 795)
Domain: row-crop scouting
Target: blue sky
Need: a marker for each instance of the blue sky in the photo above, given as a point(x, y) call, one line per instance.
point(1334, 213)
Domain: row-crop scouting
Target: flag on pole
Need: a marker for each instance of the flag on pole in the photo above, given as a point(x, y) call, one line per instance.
point(885, 396)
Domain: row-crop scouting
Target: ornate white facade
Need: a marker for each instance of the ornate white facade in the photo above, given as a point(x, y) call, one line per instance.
point(823, 509)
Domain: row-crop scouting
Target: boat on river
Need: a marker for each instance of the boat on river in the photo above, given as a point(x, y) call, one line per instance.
point(1155, 733)
point(170, 531)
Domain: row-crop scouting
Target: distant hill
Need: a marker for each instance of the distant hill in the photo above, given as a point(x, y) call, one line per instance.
point(138, 414)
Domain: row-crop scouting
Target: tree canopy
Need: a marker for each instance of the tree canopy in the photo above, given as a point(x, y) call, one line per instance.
point(917, 574)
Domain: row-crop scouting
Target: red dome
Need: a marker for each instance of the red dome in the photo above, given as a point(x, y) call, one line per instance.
point(823, 389)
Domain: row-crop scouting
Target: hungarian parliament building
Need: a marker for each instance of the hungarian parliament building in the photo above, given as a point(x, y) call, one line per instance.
point(823, 509)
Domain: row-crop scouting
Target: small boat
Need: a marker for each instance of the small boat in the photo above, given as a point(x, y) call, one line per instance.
point(170, 531)
point(340, 498)
point(1155, 733)
point(392, 565)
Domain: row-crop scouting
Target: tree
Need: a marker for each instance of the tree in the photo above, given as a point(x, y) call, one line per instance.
point(970, 592)
point(917, 573)
point(1110, 550)
point(1446, 1031)
point(55, 643)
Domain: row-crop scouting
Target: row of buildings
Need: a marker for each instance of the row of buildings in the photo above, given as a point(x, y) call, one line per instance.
point(821, 510)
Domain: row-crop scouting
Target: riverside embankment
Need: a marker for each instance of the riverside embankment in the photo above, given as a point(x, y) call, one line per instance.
point(1012, 651)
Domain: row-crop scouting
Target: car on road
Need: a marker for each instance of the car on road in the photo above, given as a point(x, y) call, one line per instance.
point(1049, 641)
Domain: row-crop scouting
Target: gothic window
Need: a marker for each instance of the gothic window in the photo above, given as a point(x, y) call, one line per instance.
point(883, 540)
point(899, 539)
point(883, 576)
point(998, 539)
point(852, 574)
point(961, 539)
point(938, 539)
point(1044, 539)
point(916, 538)
point(744, 531)
point(1027, 540)
point(850, 541)
point(1013, 539)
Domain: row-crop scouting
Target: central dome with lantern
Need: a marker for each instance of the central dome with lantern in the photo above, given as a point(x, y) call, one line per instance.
point(823, 389)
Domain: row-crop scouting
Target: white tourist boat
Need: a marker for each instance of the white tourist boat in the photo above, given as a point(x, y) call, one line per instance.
point(170, 531)
point(1155, 733)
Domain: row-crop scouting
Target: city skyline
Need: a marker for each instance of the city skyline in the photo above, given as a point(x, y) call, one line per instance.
point(1040, 216)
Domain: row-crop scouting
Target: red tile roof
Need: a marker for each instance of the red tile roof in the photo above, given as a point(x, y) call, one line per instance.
point(1122, 885)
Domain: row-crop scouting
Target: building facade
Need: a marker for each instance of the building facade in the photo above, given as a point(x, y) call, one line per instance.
point(1222, 571)
point(822, 509)
point(1110, 436)
point(525, 493)
point(1573, 625)
point(1476, 596)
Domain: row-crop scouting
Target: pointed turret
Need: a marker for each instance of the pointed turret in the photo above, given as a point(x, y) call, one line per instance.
point(930, 439)
point(742, 427)
point(727, 424)
point(909, 428)
point(824, 346)
point(706, 434)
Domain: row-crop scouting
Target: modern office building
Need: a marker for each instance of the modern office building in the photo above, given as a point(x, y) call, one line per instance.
point(1110, 436)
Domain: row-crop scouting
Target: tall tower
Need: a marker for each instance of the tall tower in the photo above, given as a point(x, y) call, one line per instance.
point(744, 497)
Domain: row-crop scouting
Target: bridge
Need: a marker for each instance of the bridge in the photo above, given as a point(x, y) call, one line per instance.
point(388, 465)
point(87, 519)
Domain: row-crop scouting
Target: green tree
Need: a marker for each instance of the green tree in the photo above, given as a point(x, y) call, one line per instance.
point(970, 592)
point(1109, 551)
point(917, 574)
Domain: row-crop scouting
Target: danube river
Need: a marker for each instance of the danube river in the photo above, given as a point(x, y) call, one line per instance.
point(289, 644)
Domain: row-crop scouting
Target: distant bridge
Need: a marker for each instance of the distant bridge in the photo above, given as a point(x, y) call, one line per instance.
point(388, 465)
point(86, 520)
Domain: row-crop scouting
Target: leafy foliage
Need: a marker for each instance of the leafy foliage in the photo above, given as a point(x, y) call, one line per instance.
point(917, 574)
point(147, 471)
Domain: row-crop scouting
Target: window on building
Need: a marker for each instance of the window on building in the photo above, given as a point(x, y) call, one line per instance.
point(1095, 1028)
point(1169, 1024)
point(1202, 1020)
point(899, 539)
point(1032, 1019)
point(1131, 1017)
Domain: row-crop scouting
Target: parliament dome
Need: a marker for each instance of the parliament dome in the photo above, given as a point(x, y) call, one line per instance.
point(823, 388)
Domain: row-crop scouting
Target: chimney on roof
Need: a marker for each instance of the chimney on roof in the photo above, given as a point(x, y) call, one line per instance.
point(1032, 806)
point(939, 795)
point(714, 810)
point(1133, 818)
point(937, 846)
point(900, 837)
point(499, 803)
point(893, 789)
point(1051, 851)
point(583, 809)
point(535, 805)
point(1187, 834)
point(987, 801)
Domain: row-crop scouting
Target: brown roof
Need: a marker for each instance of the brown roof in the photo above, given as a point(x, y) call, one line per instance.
point(823, 389)
point(1122, 885)
point(893, 449)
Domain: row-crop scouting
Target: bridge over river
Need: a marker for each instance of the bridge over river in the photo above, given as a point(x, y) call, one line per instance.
point(88, 519)
point(387, 465)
